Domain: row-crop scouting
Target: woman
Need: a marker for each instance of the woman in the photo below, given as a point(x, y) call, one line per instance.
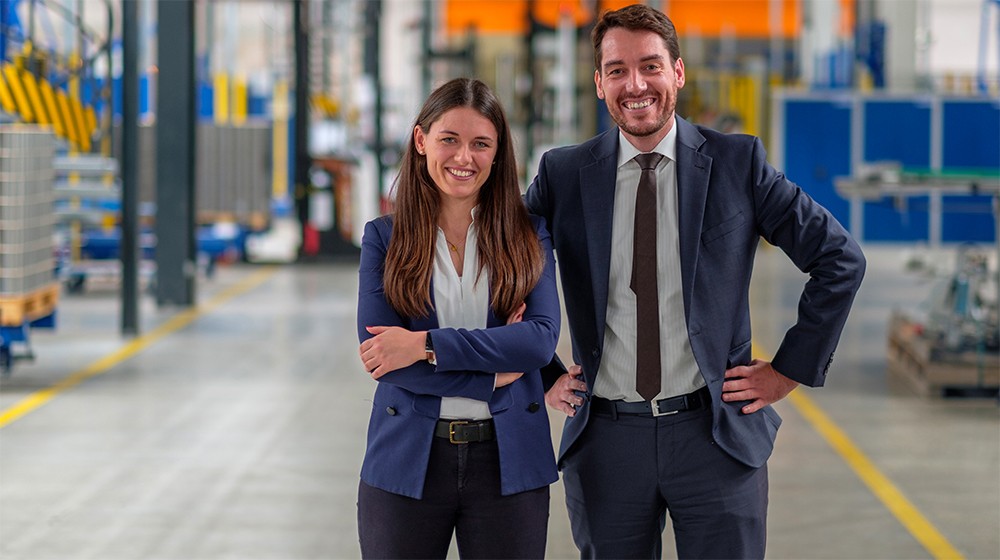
point(457, 285)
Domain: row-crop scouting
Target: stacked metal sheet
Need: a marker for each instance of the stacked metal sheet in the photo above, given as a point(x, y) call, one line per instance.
point(233, 173)
point(26, 209)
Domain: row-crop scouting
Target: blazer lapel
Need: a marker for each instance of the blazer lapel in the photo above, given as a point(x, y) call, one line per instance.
point(597, 193)
point(693, 173)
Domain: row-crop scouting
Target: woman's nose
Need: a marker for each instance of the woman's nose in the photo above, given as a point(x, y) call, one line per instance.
point(463, 155)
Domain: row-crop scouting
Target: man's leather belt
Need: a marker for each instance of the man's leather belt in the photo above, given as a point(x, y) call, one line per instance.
point(465, 431)
point(662, 407)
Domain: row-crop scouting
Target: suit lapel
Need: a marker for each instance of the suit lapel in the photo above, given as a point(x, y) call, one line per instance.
point(597, 193)
point(693, 172)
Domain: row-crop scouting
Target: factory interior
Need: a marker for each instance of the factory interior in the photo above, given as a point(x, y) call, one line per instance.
point(184, 186)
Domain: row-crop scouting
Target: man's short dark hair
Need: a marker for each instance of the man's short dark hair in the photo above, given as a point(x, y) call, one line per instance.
point(637, 17)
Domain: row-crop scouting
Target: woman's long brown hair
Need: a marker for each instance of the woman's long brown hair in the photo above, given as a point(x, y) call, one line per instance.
point(507, 243)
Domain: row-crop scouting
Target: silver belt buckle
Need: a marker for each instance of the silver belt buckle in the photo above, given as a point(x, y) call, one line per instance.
point(655, 407)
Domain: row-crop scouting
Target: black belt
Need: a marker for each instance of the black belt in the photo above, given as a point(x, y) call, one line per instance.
point(465, 431)
point(663, 407)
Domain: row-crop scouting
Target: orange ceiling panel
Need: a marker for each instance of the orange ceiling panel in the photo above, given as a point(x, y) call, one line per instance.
point(510, 16)
point(486, 16)
point(739, 18)
point(707, 18)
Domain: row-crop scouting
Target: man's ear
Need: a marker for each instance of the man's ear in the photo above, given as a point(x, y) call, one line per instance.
point(597, 83)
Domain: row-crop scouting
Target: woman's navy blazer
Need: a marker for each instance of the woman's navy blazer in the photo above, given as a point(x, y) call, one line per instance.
point(407, 401)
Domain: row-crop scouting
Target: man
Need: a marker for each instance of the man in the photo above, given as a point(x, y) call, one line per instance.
point(667, 410)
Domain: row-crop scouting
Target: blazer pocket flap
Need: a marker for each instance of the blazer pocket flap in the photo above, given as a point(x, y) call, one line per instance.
point(722, 228)
point(503, 398)
point(772, 415)
point(427, 405)
point(739, 355)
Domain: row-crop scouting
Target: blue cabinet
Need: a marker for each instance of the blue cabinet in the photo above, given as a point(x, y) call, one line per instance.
point(822, 136)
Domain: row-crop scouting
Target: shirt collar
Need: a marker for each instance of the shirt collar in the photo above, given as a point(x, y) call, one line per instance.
point(667, 147)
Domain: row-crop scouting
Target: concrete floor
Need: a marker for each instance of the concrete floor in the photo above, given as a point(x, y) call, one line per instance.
point(238, 431)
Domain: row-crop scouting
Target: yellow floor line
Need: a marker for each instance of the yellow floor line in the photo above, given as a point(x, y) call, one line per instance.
point(891, 497)
point(175, 323)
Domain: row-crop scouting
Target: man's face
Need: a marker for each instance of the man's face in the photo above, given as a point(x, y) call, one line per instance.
point(639, 83)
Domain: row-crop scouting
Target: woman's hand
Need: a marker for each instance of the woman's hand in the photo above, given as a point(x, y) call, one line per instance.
point(390, 349)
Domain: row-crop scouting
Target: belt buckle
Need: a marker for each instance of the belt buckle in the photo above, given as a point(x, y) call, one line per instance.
point(655, 407)
point(451, 431)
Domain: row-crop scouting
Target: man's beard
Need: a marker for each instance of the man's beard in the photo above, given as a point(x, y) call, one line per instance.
point(642, 130)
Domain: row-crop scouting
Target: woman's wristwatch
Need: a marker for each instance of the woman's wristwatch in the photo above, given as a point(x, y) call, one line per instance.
point(429, 348)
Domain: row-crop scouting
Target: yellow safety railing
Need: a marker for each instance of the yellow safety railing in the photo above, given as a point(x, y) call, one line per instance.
point(52, 108)
point(35, 97)
point(81, 123)
point(34, 100)
point(13, 77)
point(6, 97)
point(62, 100)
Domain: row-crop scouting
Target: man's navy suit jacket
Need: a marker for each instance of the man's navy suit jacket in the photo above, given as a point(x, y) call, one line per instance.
point(729, 198)
point(408, 400)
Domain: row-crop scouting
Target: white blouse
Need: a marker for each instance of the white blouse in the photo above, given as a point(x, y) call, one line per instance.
point(462, 303)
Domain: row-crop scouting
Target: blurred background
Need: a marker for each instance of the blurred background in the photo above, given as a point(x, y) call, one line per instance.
point(184, 184)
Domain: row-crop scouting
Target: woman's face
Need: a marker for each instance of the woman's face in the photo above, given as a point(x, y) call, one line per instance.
point(460, 148)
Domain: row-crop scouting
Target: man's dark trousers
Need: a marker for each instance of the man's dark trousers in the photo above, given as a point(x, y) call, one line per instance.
point(626, 471)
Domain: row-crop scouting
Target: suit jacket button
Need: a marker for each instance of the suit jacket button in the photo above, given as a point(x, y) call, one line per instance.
point(533, 407)
point(390, 411)
point(596, 352)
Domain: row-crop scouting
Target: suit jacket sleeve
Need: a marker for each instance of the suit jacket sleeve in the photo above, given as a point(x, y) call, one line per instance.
point(819, 246)
point(536, 199)
point(525, 346)
point(373, 310)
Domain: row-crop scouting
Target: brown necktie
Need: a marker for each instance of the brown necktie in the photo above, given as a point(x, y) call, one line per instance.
point(647, 380)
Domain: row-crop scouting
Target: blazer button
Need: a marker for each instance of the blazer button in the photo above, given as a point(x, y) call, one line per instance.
point(390, 411)
point(533, 407)
point(596, 352)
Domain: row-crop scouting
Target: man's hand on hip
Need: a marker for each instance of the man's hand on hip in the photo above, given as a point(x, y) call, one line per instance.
point(759, 383)
point(562, 396)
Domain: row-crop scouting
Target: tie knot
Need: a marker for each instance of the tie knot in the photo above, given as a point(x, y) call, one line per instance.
point(648, 161)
